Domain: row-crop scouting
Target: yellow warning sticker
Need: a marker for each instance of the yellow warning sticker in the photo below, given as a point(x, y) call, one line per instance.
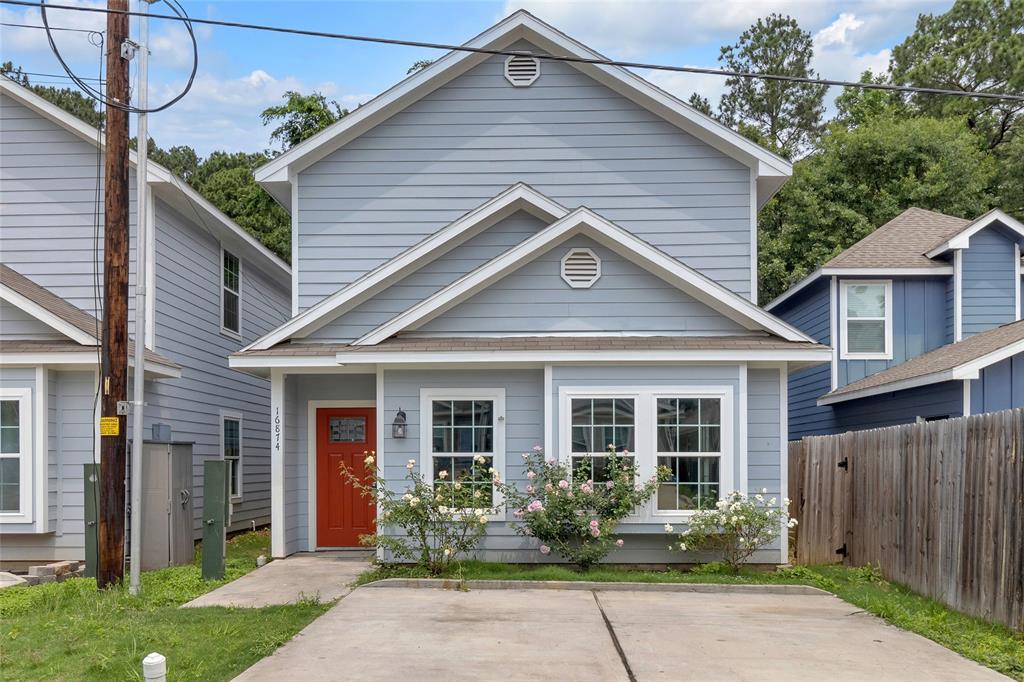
point(110, 426)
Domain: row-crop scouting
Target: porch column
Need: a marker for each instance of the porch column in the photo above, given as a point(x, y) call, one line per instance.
point(277, 453)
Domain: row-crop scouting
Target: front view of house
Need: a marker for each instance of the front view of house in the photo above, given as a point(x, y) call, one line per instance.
point(506, 252)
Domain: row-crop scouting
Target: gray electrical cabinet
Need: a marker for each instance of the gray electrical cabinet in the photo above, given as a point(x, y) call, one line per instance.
point(166, 505)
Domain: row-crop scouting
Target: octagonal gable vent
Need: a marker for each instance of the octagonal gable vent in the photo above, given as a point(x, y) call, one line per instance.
point(581, 268)
point(521, 70)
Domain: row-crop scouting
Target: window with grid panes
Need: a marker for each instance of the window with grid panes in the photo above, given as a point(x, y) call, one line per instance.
point(597, 425)
point(462, 436)
point(689, 442)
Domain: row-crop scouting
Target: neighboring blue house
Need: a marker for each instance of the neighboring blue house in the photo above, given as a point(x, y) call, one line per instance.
point(499, 253)
point(213, 289)
point(922, 317)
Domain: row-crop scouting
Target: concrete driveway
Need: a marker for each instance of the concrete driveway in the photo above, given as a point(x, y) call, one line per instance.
point(395, 633)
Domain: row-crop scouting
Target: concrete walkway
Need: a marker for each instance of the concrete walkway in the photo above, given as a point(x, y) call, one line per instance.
point(324, 575)
point(389, 633)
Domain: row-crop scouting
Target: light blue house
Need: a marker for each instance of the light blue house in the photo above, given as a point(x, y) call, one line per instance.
point(504, 252)
point(213, 289)
point(923, 319)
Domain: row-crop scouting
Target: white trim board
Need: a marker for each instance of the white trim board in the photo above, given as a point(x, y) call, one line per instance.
point(938, 270)
point(31, 455)
point(844, 320)
point(46, 317)
point(81, 358)
point(962, 239)
point(517, 197)
point(311, 407)
point(522, 25)
point(585, 222)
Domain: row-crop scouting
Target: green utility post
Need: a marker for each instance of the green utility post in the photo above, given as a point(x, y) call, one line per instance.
point(215, 514)
point(90, 478)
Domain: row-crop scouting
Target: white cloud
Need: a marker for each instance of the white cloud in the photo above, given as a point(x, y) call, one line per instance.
point(682, 85)
point(221, 113)
point(836, 32)
point(73, 45)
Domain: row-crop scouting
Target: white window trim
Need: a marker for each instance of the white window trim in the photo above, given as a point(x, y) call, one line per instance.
point(844, 354)
point(497, 395)
point(237, 335)
point(646, 443)
point(237, 416)
point(25, 454)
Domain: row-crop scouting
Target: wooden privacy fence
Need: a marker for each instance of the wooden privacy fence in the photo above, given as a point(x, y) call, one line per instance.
point(937, 506)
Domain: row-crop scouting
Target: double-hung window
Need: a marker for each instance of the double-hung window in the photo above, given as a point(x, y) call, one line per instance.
point(15, 454)
point(231, 297)
point(599, 425)
point(231, 450)
point(689, 437)
point(463, 447)
point(866, 319)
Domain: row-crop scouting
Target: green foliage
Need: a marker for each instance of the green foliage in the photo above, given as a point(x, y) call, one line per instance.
point(977, 46)
point(69, 99)
point(301, 117)
point(857, 106)
point(418, 65)
point(783, 116)
point(438, 526)
point(736, 527)
point(863, 177)
point(577, 518)
point(701, 104)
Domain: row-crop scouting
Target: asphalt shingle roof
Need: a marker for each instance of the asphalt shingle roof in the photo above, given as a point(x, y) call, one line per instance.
point(941, 359)
point(902, 242)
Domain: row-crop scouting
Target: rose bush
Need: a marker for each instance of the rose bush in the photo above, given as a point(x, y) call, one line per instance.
point(438, 526)
point(576, 518)
point(737, 527)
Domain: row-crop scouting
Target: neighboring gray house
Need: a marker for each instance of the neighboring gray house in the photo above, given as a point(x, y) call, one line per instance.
point(213, 289)
point(510, 252)
point(923, 319)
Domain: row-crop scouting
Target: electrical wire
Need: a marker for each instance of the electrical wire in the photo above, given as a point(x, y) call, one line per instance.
point(181, 15)
point(43, 28)
point(56, 75)
point(912, 89)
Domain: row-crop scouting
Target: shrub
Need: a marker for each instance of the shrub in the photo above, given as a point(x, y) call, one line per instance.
point(435, 533)
point(736, 528)
point(576, 518)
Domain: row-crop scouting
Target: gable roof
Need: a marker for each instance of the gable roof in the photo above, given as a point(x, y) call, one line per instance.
point(902, 242)
point(518, 197)
point(961, 239)
point(585, 221)
point(770, 169)
point(81, 328)
point(954, 361)
point(164, 184)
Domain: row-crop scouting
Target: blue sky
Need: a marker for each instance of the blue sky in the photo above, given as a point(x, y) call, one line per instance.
point(242, 72)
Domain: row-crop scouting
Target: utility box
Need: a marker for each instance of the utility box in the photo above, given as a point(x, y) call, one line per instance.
point(166, 505)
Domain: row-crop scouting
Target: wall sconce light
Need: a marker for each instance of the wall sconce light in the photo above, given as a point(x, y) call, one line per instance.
point(398, 426)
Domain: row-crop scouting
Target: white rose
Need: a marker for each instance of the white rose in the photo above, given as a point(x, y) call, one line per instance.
point(669, 528)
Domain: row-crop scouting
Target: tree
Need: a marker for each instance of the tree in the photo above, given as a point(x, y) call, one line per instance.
point(69, 99)
point(857, 106)
point(301, 117)
point(977, 46)
point(701, 104)
point(784, 116)
point(419, 64)
point(863, 177)
point(181, 160)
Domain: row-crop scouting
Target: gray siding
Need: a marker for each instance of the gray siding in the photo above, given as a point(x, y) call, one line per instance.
point(188, 273)
point(536, 299)
point(1000, 386)
point(989, 280)
point(17, 325)
point(568, 136)
point(903, 407)
point(430, 278)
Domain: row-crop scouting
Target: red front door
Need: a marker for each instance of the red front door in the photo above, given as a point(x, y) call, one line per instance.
point(343, 435)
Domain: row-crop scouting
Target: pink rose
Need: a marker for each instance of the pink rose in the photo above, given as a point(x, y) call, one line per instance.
point(609, 485)
point(620, 542)
point(593, 523)
point(551, 461)
point(518, 513)
point(563, 484)
point(538, 448)
point(530, 475)
point(596, 532)
point(529, 489)
point(544, 549)
point(535, 506)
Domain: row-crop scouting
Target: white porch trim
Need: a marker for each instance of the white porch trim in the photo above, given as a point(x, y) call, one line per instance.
point(277, 454)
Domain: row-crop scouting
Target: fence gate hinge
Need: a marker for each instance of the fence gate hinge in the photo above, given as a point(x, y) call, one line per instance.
point(842, 551)
point(845, 464)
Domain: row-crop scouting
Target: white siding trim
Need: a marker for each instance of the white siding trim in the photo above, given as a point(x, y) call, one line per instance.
point(277, 454)
point(958, 296)
point(753, 235)
point(742, 446)
point(811, 355)
point(858, 272)
point(151, 272)
point(517, 197)
point(962, 239)
point(586, 222)
point(28, 456)
point(1016, 281)
point(833, 313)
point(967, 397)
point(295, 246)
point(925, 380)
point(46, 317)
point(844, 321)
point(311, 455)
point(381, 437)
point(81, 358)
point(41, 469)
point(784, 454)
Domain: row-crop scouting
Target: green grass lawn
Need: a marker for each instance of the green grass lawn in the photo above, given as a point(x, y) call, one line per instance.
point(991, 645)
point(72, 631)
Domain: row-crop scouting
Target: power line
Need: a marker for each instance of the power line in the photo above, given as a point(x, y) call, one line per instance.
point(558, 58)
point(54, 75)
point(52, 28)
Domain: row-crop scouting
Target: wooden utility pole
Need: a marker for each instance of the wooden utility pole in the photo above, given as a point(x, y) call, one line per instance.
point(114, 375)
